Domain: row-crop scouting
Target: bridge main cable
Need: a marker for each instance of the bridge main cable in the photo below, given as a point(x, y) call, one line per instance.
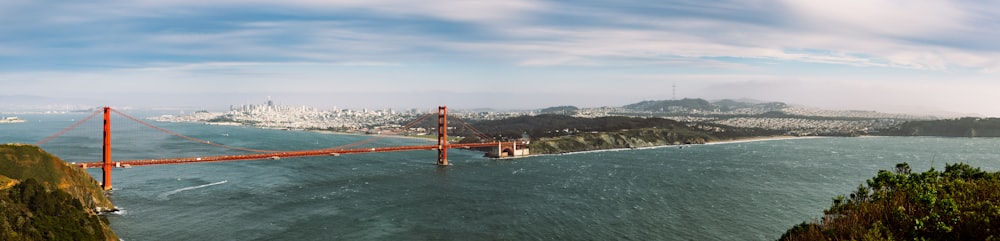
point(71, 127)
point(279, 155)
point(441, 147)
point(188, 137)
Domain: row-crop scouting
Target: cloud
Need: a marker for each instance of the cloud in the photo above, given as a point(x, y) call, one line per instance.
point(893, 34)
point(896, 18)
point(435, 45)
point(879, 33)
point(476, 11)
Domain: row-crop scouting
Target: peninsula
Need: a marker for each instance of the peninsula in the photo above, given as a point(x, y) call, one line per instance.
point(564, 129)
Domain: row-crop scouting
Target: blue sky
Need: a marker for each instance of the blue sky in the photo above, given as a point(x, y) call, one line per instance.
point(886, 55)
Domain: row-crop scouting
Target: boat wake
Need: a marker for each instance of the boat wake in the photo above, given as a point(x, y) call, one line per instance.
point(164, 196)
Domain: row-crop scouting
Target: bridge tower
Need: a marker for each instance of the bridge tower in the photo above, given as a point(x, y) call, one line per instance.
point(442, 136)
point(107, 149)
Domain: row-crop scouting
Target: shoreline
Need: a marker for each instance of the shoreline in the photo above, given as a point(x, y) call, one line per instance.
point(373, 136)
point(763, 138)
point(731, 141)
point(719, 142)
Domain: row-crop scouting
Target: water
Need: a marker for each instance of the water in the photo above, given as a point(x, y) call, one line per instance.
point(734, 191)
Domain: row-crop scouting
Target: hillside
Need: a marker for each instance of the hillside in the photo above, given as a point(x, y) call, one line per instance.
point(636, 138)
point(560, 110)
point(961, 203)
point(560, 134)
point(44, 198)
point(26, 161)
point(963, 127)
point(670, 105)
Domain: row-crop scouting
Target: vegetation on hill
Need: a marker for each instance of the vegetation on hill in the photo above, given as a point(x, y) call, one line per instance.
point(20, 161)
point(30, 212)
point(549, 125)
point(560, 110)
point(667, 105)
point(687, 105)
point(961, 203)
point(963, 127)
point(44, 198)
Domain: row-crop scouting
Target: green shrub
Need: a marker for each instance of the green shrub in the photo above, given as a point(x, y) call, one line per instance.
point(29, 212)
point(960, 203)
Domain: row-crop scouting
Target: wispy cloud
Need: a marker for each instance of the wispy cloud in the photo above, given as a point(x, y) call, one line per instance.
point(454, 44)
point(884, 33)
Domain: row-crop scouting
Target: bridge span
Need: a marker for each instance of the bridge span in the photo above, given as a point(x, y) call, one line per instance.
point(442, 146)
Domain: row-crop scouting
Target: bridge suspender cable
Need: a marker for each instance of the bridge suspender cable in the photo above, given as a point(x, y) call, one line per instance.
point(441, 146)
point(71, 127)
point(478, 133)
point(188, 137)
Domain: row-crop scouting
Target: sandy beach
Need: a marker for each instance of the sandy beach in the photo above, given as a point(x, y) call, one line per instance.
point(762, 138)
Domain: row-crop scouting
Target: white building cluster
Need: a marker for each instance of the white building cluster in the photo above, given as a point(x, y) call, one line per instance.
point(792, 119)
point(809, 126)
point(270, 115)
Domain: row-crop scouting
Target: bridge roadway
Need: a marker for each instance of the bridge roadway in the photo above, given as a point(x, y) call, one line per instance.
point(279, 155)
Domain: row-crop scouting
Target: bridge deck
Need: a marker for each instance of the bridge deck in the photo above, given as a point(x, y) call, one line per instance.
point(279, 155)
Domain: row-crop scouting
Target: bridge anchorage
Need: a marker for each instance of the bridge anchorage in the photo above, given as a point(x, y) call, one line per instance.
point(502, 149)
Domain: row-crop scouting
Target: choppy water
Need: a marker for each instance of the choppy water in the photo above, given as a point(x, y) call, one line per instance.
point(734, 191)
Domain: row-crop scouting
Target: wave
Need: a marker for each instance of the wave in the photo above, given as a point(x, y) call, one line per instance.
point(167, 194)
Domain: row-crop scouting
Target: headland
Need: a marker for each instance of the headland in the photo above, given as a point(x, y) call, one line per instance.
point(46, 198)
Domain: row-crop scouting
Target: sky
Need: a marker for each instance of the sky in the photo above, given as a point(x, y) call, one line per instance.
point(884, 55)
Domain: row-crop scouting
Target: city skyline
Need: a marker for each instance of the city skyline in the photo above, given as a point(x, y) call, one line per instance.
point(884, 55)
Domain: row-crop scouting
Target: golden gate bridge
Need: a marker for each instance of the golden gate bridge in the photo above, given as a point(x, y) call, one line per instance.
point(508, 148)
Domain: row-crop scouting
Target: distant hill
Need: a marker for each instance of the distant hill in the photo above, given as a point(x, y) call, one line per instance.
point(688, 105)
point(560, 110)
point(39, 103)
point(44, 198)
point(549, 125)
point(963, 127)
point(672, 105)
point(561, 133)
point(731, 105)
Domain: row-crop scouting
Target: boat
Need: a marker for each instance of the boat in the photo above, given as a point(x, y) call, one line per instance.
point(11, 119)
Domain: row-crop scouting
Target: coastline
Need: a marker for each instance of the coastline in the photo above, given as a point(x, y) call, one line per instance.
point(373, 136)
point(762, 138)
point(730, 141)
point(715, 142)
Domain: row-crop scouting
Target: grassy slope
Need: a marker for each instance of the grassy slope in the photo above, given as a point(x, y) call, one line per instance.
point(21, 162)
point(6, 182)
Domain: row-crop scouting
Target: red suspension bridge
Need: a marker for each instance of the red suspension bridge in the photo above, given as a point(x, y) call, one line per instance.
point(442, 146)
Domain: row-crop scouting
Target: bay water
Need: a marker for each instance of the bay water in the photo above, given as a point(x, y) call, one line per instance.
point(729, 191)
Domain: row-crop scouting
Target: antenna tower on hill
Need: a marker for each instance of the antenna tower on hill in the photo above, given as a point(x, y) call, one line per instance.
point(675, 92)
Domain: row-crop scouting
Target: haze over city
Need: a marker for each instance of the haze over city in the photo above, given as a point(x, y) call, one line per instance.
point(884, 55)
